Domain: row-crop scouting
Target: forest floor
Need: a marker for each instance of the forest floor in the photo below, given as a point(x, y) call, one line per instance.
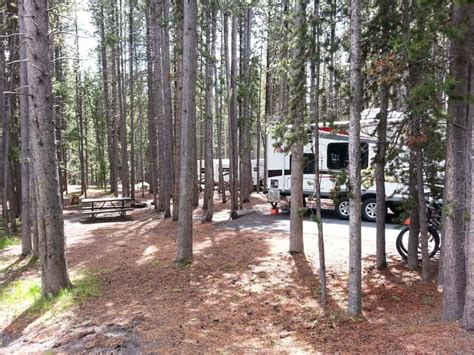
point(243, 293)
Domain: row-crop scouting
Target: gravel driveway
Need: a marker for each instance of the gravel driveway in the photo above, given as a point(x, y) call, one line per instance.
point(336, 234)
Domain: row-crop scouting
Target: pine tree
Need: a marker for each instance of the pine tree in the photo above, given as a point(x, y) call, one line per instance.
point(184, 242)
point(54, 275)
point(355, 267)
point(297, 112)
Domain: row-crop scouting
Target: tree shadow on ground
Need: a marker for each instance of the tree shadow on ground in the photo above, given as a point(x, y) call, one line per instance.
point(105, 219)
point(18, 261)
point(16, 270)
point(306, 277)
point(16, 327)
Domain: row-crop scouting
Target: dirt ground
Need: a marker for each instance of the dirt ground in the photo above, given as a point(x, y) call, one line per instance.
point(243, 293)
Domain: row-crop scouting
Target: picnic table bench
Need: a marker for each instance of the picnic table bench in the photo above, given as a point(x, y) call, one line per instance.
point(95, 206)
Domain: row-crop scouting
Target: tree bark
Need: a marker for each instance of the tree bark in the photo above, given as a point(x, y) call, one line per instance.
point(132, 98)
point(178, 106)
point(5, 145)
point(208, 133)
point(413, 237)
point(355, 265)
point(219, 106)
point(54, 275)
point(114, 107)
point(156, 52)
point(246, 184)
point(107, 103)
point(26, 246)
point(455, 225)
point(233, 144)
point(152, 141)
point(315, 83)
point(425, 264)
point(123, 117)
point(380, 160)
point(184, 242)
point(79, 115)
point(268, 91)
point(468, 318)
point(297, 111)
point(168, 162)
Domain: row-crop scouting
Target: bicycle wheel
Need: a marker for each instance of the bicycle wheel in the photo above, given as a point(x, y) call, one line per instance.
point(402, 242)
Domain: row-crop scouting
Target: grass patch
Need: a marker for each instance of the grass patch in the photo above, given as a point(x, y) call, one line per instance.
point(7, 241)
point(25, 296)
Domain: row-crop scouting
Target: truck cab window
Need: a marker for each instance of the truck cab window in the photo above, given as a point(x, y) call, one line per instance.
point(338, 155)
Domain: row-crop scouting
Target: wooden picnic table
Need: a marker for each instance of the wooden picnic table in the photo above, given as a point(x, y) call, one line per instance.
point(95, 206)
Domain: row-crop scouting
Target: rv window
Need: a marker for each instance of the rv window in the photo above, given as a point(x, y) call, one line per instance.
point(308, 163)
point(338, 155)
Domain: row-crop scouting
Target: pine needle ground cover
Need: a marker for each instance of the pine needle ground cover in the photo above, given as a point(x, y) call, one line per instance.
point(243, 292)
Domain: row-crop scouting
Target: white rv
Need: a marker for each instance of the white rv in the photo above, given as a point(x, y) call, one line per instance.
point(333, 159)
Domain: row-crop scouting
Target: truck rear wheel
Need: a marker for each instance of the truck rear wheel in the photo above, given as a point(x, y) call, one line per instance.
point(369, 209)
point(342, 208)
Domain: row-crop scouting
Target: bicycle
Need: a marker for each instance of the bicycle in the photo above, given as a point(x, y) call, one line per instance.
point(433, 219)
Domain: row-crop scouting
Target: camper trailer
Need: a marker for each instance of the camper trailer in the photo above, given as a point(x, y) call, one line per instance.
point(333, 160)
point(226, 171)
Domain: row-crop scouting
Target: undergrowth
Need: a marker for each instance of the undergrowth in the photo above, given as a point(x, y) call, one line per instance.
point(24, 296)
point(7, 241)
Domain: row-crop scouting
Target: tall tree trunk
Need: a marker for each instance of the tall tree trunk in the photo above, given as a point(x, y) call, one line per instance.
point(10, 201)
point(233, 146)
point(380, 159)
point(184, 242)
point(132, 98)
point(79, 116)
point(355, 264)
point(297, 112)
point(332, 36)
point(208, 134)
point(413, 237)
point(414, 77)
point(284, 58)
point(114, 104)
point(60, 119)
point(268, 91)
point(34, 212)
point(219, 106)
point(468, 318)
point(178, 105)
point(152, 141)
point(455, 226)
point(246, 183)
point(125, 177)
point(142, 167)
point(26, 245)
point(107, 103)
point(156, 47)
point(258, 133)
point(315, 83)
point(380, 176)
point(54, 275)
point(4, 111)
point(168, 162)
point(425, 264)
